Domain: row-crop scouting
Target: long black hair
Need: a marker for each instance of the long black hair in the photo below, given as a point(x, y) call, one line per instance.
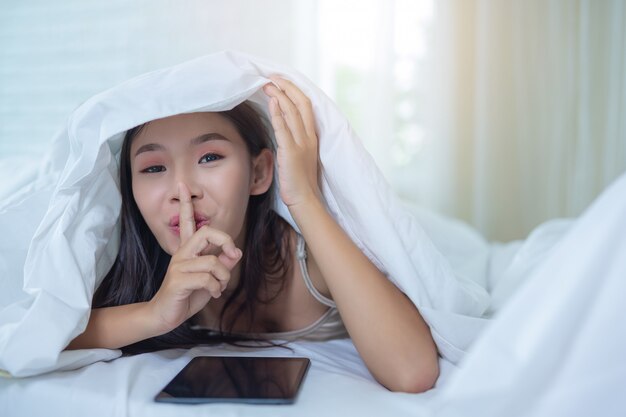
point(141, 263)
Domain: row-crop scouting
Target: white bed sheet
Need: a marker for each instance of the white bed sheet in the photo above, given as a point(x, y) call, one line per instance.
point(337, 384)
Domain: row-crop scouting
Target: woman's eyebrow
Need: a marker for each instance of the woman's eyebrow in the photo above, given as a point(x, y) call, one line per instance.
point(207, 137)
point(194, 142)
point(149, 147)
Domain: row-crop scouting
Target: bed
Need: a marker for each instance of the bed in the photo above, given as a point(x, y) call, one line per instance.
point(562, 357)
point(549, 341)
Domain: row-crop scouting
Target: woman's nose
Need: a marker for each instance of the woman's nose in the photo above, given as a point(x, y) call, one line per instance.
point(195, 191)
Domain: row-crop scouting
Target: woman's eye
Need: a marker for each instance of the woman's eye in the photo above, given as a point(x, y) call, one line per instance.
point(154, 169)
point(210, 157)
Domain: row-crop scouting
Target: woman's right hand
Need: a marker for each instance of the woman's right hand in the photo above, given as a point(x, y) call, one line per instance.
point(193, 277)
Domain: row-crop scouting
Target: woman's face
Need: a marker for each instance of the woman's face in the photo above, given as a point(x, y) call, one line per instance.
point(206, 153)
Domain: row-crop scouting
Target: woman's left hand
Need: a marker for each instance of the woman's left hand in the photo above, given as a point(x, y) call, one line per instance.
point(297, 154)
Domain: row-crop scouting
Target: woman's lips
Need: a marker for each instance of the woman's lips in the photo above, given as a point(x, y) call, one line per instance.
point(200, 219)
point(201, 223)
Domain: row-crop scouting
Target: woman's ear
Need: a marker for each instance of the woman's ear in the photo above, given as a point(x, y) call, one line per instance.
point(262, 172)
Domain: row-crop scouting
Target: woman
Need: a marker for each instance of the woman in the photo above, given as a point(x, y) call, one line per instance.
point(202, 249)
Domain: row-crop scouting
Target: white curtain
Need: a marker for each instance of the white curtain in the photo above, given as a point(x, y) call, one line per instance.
point(55, 55)
point(501, 113)
point(528, 116)
point(375, 57)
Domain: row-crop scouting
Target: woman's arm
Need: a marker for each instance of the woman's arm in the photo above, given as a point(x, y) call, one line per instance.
point(385, 326)
point(116, 327)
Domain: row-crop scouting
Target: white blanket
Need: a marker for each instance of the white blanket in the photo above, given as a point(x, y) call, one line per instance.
point(557, 346)
point(75, 202)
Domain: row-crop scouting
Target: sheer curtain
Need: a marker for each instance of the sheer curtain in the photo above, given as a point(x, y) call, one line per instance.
point(55, 55)
point(375, 57)
point(528, 116)
point(501, 113)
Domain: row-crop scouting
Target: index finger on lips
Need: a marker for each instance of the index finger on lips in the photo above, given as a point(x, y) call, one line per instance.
point(186, 220)
point(301, 101)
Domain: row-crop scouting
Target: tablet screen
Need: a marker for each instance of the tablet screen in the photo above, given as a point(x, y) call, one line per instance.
point(252, 380)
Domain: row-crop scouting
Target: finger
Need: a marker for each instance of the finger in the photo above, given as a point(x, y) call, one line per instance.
point(206, 236)
point(208, 263)
point(281, 131)
point(302, 102)
point(203, 281)
point(290, 113)
point(229, 261)
point(186, 220)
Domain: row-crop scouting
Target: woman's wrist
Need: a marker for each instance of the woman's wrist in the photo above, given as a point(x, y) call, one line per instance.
point(306, 207)
point(152, 322)
point(308, 210)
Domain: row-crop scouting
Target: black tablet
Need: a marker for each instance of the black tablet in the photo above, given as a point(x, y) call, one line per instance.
point(250, 380)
